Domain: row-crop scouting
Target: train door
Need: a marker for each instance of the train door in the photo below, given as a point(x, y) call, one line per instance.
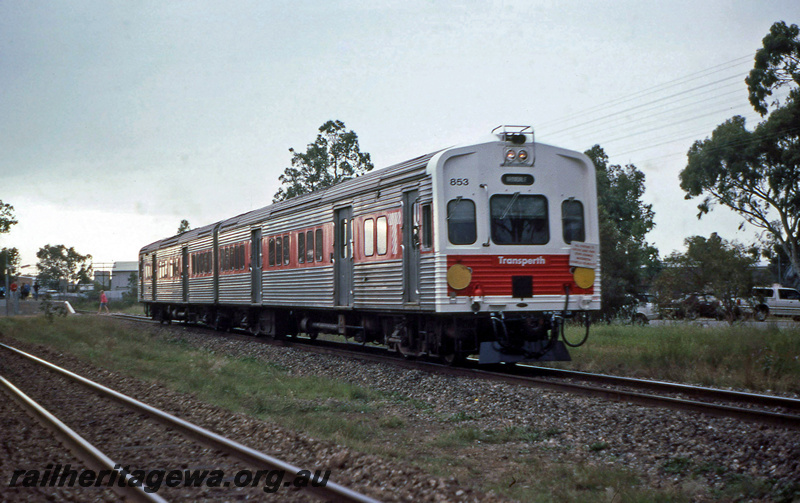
point(343, 263)
point(255, 265)
point(215, 262)
point(154, 276)
point(185, 273)
point(410, 246)
point(141, 277)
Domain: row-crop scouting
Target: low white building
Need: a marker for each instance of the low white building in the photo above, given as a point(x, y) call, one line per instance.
point(121, 274)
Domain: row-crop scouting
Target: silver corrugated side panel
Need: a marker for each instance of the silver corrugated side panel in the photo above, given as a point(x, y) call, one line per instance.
point(304, 287)
point(378, 285)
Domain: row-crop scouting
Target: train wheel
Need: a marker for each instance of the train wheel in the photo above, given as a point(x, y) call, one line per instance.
point(449, 354)
point(406, 352)
point(220, 323)
point(760, 314)
point(453, 358)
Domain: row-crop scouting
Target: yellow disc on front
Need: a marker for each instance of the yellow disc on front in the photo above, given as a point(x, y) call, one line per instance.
point(584, 277)
point(458, 276)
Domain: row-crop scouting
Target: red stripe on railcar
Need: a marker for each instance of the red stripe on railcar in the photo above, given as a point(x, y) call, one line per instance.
point(492, 273)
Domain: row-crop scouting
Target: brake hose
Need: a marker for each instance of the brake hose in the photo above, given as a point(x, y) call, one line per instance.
point(563, 335)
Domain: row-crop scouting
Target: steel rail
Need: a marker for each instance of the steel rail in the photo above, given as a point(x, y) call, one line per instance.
point(88, 453)
point(375, 354)
point(696, 391)
point(719, 410)
point(649, 400)
point(331, 490)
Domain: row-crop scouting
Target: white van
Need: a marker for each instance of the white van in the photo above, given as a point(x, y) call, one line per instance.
point(776, 300)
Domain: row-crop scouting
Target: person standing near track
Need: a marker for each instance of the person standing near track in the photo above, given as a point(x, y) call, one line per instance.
point(103, 302)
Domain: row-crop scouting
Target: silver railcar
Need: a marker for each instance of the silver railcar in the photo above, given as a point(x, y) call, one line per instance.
point(479, 249)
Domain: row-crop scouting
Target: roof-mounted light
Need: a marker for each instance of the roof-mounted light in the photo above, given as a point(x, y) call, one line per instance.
point(519, 145)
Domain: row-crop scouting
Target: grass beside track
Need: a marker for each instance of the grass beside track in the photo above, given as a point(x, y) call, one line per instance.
point(758, 359)
point(377, 422)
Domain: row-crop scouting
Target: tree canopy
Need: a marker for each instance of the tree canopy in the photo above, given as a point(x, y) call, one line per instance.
point(625, 221)
point(713, 265)
point(776, 65)
point(9, 259)
point(757, 173)
point(7, 218)
point(334, 157)
point(57, 262)
point(184, 226)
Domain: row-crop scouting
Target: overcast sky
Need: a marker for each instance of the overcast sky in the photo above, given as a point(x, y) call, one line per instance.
point(119, 119)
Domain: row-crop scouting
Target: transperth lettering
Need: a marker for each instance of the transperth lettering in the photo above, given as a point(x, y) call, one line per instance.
point(521, 261)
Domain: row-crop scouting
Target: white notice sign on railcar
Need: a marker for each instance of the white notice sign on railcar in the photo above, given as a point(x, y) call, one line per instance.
point(584, 255)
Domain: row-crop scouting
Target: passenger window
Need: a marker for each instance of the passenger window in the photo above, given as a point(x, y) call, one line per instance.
point(318, 244)
point(788, 294)
point(461, 226)
point(278, 251)
point(345, 243)
point(572, 221)
point(286, 250)
point(310, 246)
point(427, 226)
point(519, 219)
point(383, 229)
point(369, 237)
point(271, 252)
point(301, 247)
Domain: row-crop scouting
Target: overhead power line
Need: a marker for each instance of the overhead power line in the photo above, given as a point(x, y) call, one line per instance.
point(655, 89)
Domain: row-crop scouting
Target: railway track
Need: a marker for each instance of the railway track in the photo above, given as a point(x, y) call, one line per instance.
point(765, 409)
point(119, 472)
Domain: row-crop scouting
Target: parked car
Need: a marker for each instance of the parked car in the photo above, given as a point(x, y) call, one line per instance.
point(696, 305)
point(776, 300)
point(646, 308)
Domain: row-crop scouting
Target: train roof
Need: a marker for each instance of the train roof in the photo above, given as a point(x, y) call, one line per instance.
point(370, 181)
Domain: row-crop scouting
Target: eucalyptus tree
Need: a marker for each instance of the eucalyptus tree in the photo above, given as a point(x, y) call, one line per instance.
point(626, 257)
point(757, 173)
point(335, 156)
point(57, 263)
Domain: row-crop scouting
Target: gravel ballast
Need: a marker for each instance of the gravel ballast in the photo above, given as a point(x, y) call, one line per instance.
point(691, 453)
